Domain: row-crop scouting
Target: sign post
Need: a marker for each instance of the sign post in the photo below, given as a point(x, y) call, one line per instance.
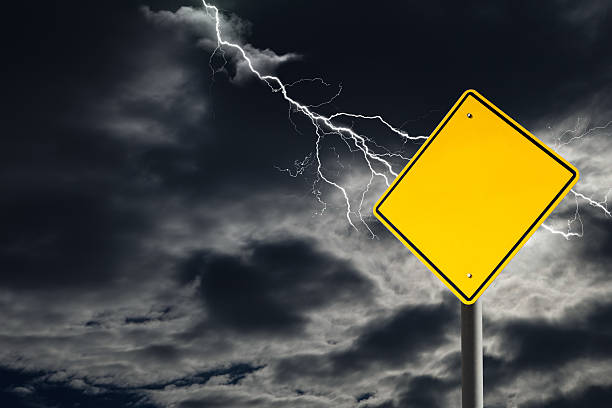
point(467, 202)
point(471, 356)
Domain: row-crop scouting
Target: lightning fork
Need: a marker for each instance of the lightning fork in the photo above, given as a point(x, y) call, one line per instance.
point(325, 125)
point(368, 148)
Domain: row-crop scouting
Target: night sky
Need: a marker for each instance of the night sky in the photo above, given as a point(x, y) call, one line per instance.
point(166, 239)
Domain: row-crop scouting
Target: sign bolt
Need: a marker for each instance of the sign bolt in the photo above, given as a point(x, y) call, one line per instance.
point(469, 275)
point(469, 115)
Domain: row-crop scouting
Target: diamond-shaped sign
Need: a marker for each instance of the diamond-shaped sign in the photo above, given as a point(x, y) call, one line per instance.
point(473, 194)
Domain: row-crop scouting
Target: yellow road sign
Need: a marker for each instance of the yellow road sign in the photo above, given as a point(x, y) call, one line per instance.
point(473, 194)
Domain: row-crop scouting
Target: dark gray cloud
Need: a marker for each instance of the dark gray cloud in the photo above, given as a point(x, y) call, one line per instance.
point(533, 347)
point(399, 338)
point(599, 249)
point(74, 191)
point(272, 285)
point(594, 396)
point(543, 346)
point(234, 373)
point(391, 342)
point(558, 54)
point(21, 389)
point(58, 236)
point(420, 391)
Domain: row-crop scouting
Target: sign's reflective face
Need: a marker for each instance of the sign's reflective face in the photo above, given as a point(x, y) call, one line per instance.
point(473, 195)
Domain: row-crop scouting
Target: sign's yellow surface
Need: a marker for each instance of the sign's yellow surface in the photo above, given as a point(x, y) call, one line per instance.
point(473, 195)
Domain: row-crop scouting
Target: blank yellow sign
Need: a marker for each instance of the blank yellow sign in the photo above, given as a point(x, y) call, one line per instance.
point(473, 195)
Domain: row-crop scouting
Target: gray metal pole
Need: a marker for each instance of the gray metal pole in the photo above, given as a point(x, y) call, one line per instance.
point(471, 356)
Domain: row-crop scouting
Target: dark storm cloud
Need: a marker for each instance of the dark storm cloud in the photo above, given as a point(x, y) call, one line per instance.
point(426, 391)
point(402, 337)
point(271, 287)
point(60, 237)
point(19, 389)
point(390, 342)
point(155, 316)
point(72, 195)
point(209, 402)
point(533, 346)
point(34, 389)
point(160, 352)
point(419, 391)
point(92, 141)
point(592, 397)
point(544, 348)
point(234, 373)
point(599, 248)
point(535, 58)
point(365, 396)
point(65, 217)
point(544, 345)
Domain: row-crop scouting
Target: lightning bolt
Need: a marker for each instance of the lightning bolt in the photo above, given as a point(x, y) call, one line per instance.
point(375, 156)
point(577, 136)
point(561, 141)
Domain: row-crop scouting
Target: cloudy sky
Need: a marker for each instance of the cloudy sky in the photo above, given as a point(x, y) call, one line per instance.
point(169, 240)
